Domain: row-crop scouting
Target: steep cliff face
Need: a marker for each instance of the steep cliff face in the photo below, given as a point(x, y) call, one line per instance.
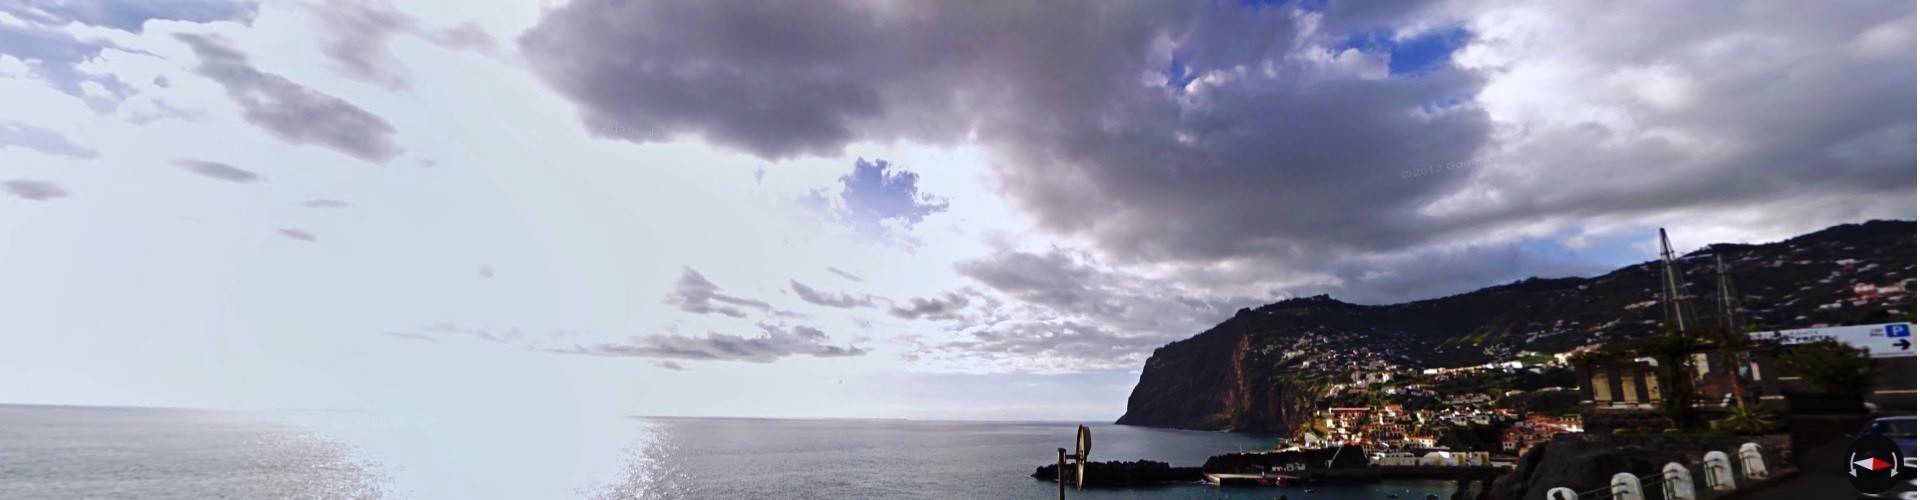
point(1265, 369)
point(1193, 383)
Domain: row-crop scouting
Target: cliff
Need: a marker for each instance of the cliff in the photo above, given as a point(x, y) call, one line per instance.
point(1266, 368)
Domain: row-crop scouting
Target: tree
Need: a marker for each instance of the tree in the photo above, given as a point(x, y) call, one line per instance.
point(1830, 366)
point(1672, 349)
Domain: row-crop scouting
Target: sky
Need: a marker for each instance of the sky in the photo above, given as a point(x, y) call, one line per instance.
point(861, 208)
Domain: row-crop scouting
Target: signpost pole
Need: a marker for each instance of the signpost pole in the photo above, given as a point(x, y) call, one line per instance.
point(1060, 474)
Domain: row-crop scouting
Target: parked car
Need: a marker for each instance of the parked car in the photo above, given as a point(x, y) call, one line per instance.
point(1901, 430)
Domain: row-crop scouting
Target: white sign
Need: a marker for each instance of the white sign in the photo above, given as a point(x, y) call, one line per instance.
point(1889, 340)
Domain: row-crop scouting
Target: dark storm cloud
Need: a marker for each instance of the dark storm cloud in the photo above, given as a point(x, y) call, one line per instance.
point(773, 343)
point(298, 234)
point(291, 111)
point(843, 273)
point(1267, 152)
point(830, 299)
point(218, 170)
point(34, 190)
point(1442, 271)
point(42, 140)
point(1219, 136)
point(875, 193)
point(694, 294)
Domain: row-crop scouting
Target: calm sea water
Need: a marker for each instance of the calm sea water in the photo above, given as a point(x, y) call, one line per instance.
point(65, 452)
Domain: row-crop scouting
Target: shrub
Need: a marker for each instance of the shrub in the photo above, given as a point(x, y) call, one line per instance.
point(1830, 366)
point(1747, 420)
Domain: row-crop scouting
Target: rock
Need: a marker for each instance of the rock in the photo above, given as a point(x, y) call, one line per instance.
point(1572, 462)
point(1116, 473)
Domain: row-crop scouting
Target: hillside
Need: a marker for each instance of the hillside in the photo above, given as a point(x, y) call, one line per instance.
point(1262, 369)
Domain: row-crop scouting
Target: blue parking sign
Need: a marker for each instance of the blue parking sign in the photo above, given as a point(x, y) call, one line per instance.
point(1901, 330)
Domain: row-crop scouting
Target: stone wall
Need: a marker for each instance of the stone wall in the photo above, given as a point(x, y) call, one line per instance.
point(1776, 448)
point(1587, 461)
point(1632, 421)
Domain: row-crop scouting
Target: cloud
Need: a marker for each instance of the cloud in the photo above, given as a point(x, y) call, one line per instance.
point(42, 35)
point(218, 170)
point(1080, 346)
point(414, 336)
point(298, 234)
point(325, 203)
point(42, 140)
point(486, 271)
point(831, 299)
point(944, 306)
point(34, 190)
point(57, 57)
point(694, 294)
point(670, 365)
point(1259, 142)
point(1068, 311)
point(876, 193)
point(355, 36)
point(131, 15)
point(291, 111)
point(773, 343)
point(844, 274)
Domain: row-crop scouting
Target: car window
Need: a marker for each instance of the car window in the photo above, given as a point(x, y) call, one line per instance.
point(1896, 428)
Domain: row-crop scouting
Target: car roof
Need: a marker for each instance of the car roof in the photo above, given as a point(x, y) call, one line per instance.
point(1883, 419)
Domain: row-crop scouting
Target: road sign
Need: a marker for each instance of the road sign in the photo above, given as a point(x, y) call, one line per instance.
point(1888, 340)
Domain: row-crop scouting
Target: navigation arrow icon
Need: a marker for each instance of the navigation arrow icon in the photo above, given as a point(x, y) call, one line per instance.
point(1904, 344)
point(1873, 464)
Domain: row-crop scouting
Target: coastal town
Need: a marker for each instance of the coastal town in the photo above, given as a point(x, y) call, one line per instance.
point(1433, 423)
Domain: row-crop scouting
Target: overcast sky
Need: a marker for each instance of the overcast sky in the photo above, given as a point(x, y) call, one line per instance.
point(861, 208)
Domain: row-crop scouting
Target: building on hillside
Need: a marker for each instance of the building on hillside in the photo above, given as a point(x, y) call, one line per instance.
point(1395, 459)
point(1625, 393)
point(1454, 458)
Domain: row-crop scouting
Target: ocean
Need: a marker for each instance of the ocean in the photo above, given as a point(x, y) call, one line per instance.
point(84, 452)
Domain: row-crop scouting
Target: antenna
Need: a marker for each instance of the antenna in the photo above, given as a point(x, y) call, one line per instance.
point(1673, 284)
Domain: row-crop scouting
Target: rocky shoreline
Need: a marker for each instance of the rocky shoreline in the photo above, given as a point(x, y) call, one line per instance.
point(1123, 474)
point(1149, 473)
